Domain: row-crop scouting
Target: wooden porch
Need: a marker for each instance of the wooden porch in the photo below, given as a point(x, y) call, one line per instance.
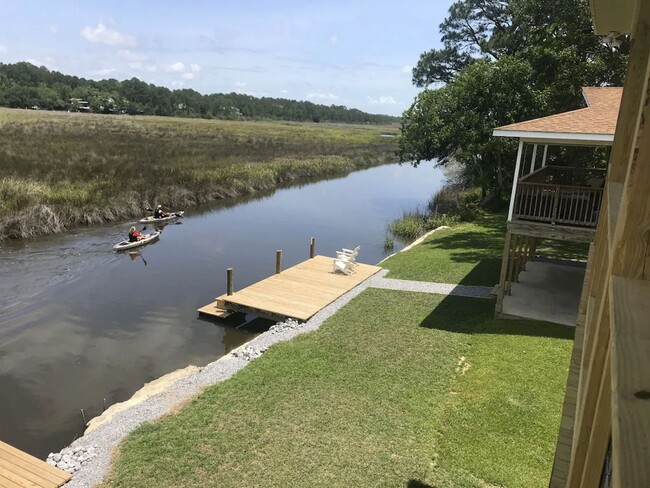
point(562, 195)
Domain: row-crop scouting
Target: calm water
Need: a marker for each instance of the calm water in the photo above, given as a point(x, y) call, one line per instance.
point(80, 324)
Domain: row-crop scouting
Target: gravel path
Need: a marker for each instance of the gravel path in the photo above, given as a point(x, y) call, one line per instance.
point(428, 287)
point(89, 457)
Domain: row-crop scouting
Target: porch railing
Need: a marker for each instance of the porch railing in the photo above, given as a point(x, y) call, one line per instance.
point(558, 204)
point(560, 195)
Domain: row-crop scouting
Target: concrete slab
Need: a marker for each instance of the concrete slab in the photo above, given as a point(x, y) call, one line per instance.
point(546, 291)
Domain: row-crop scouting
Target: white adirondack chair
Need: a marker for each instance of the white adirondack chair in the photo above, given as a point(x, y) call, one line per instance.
point(346, 260)
point(348, 254)
point(345, 267)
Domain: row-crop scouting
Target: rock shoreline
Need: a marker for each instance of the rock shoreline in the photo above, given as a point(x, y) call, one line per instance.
point(88, 458)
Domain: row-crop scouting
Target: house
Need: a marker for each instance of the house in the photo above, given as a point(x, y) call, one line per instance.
point(554, 197)
point(80, 105)
point(604, 438)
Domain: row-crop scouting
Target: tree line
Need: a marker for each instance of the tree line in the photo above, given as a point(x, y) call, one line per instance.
point(502, 61)
point(23, 85)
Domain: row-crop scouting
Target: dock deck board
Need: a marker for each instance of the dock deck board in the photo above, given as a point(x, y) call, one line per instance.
point(20, 469)
point(298, 292)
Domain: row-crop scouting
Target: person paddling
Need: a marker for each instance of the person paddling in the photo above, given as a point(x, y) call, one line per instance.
point(159, 213)
point(134, 235)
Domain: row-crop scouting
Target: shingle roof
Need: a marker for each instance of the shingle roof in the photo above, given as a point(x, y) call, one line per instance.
point(599, 118)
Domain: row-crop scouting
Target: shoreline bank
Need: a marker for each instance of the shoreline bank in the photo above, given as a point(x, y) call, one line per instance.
point(102, 441)
point(46, 219)
point(169, 392)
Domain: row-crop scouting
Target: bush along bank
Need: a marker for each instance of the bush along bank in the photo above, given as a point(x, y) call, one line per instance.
point(449, 206)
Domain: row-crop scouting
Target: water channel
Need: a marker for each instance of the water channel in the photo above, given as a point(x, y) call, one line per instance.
point(80, 323)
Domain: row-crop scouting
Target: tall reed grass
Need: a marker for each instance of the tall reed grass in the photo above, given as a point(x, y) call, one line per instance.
point(58, 169)
point(448, 206)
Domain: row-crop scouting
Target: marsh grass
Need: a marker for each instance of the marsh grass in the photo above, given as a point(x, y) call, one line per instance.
point(447, 206)
point(64, 169)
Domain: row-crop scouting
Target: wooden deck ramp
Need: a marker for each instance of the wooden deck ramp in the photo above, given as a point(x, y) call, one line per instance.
point(18, 469)
point(297, 292)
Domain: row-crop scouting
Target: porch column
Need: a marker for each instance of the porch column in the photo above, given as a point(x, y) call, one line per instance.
point(544, 156)
point(532, 161)
point(515, 179)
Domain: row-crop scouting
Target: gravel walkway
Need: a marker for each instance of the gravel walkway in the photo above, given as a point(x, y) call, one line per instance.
point(89, 457)
point(428, 287)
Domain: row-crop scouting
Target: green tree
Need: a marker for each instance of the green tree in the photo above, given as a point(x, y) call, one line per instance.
point(502, 62)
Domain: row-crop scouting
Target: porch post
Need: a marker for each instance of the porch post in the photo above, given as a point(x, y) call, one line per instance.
point(532, 161)
point(544, 156)
point(515, 179)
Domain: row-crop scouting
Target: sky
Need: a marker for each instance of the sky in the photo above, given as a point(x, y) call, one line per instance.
point(353, 53)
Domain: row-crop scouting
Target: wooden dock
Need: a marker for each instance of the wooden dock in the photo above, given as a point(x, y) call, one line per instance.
point(297, 292)
point(18, 469)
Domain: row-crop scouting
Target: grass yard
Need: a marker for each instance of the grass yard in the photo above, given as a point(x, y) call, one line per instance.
point(63, 169)
point(397, 389)
point(468, 253)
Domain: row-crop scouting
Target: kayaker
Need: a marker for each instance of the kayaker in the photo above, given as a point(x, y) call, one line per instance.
point(159, 213)
point(134, 235)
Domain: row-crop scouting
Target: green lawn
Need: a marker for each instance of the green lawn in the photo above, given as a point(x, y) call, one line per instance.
point(467, 253)
point(376, 397)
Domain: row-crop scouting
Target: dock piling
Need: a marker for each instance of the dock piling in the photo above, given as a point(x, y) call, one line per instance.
point(278, 261)
point(229, 279)
point(312, 247)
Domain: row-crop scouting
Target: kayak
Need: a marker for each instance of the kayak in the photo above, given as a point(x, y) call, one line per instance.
point(126, 244)
point(152, 220)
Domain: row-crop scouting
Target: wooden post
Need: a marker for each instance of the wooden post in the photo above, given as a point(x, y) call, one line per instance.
point(504, 272)
point(312, 247)
point(278, 261)
point(556, 201)
point(229, 280)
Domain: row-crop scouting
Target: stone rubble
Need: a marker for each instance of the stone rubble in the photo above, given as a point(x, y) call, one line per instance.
point(71, 459)
point(249, 352)
point(289, 324)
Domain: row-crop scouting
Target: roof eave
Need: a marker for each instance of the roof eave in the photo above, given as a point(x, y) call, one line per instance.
point(573, 138)
point(616, 16)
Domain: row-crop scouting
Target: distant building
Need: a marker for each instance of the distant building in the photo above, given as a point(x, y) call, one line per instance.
point(79, 105)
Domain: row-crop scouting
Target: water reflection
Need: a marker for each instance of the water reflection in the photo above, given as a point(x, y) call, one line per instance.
point(80, 323)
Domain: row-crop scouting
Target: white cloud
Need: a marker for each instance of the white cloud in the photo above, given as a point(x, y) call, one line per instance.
point(177, 67)
point(240, 84)
point(322, 96)
point(103, 35)
point(188, 76)
point(3, 49)
point(195, 67)
point(152, 67)
point(334, 39)
point(135, 65)
point(102, 72)
point(383, 100)
point(53, 29)
point(178, 84)
point(408, 69)
point(128, 55)
point(284, 91)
